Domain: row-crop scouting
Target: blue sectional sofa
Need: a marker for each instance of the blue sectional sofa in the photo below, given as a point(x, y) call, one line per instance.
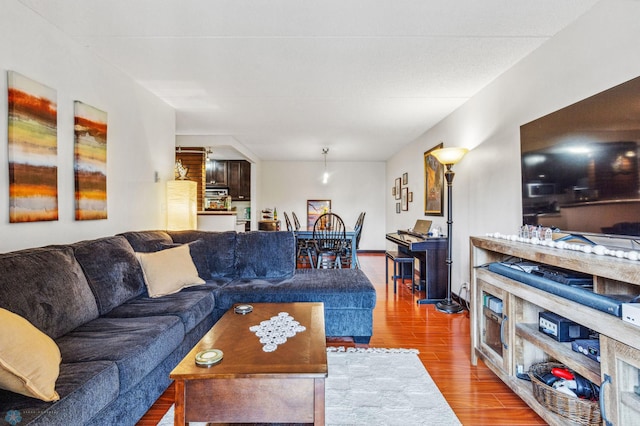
point(118, 344)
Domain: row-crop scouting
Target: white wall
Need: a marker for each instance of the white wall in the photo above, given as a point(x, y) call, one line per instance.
point(353, 187)
point(140, 140)
point(598, 51)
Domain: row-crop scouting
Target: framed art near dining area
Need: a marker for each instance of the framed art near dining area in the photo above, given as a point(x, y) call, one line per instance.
point(434, 184)
point(316, 208)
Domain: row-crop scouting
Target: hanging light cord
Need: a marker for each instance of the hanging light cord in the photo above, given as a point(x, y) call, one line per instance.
point(325, 176)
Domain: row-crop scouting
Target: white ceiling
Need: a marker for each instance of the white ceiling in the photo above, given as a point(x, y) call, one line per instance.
point(286, 78)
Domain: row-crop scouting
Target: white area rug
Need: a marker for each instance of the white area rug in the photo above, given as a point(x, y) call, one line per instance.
point(378, 387)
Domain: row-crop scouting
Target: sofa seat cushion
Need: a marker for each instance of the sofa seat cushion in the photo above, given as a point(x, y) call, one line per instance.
point(85, 388)
point(336, 288)
point(190, 306)
point(112, 270)
point(219, 249)
point(46, 286)
point(136, 345)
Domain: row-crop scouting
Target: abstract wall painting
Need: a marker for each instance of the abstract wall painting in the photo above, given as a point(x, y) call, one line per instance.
point(32, 150)
point(90, 166)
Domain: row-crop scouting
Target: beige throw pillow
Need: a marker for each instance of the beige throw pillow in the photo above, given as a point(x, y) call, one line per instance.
point(168, 271)
point(29, 359)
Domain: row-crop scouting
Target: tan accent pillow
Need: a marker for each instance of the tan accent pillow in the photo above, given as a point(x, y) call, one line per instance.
point(29, 359)
point(168, 271)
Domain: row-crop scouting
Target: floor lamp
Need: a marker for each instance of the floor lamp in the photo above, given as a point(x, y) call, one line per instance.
point(448, 157)
point(182, 205)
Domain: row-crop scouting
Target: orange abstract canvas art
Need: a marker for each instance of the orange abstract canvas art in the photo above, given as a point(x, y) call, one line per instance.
point(32, 150)
point(90, 167)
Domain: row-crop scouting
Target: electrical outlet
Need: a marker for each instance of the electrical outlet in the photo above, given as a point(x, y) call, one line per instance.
point(519, 369)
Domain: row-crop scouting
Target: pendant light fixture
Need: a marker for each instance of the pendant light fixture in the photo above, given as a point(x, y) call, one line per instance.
point(325, 176)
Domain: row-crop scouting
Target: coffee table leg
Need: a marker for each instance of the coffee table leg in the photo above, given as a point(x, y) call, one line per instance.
point(178, 418)
point(318, 396)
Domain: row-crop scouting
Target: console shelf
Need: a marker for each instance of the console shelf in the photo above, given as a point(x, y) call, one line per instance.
point(520, 345)
point(563, 353)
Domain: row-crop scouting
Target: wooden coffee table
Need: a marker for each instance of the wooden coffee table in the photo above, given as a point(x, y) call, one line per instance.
point(250, 385)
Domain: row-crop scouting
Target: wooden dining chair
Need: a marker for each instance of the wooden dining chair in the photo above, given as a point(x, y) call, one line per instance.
point(287, 221)
point(304, 247)
point(347, 256)
point(329, 239)
point(296, 222)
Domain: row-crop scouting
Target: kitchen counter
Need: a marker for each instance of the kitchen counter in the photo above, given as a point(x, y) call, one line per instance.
point(217, 220)
point(218, 212)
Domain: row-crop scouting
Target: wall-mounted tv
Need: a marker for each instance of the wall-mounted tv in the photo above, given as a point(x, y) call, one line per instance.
point(580, 165)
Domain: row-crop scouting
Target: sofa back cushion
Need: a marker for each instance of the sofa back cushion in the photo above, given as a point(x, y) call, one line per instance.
point(219, 249)
point(261, 254)
point(47, 287)
point(147, 241)
point(112, 269)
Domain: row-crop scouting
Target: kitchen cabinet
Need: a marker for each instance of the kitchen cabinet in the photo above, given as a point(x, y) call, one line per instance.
point(232, 174)
point(510, 342)
point(216, 173)
point(239, 180)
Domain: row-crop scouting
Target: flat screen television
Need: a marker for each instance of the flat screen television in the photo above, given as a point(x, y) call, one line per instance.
point(580, 165)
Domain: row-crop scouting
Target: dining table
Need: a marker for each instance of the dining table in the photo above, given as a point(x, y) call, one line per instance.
point(350, 234)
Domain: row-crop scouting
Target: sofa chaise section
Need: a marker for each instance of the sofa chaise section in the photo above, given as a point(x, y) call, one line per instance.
point(347, 294)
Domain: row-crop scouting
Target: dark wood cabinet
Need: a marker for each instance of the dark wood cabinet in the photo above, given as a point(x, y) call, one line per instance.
point(217, 174)
point(232, 174)
point(239, 180)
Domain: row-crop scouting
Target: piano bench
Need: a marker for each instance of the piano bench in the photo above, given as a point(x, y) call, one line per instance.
point(399, 260)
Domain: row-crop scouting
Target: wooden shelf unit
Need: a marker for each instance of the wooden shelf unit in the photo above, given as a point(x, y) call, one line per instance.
point(524, 345)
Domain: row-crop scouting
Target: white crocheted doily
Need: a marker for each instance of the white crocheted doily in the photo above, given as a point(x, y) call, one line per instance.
point(276, 331)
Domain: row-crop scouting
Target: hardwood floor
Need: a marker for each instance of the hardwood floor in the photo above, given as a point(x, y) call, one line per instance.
point(475, 394)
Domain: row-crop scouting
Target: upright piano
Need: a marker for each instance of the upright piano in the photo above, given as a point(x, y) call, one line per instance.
point(432, 254)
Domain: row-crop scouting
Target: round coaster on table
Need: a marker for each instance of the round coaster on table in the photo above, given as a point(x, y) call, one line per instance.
point(243, 309)
point(209, 357)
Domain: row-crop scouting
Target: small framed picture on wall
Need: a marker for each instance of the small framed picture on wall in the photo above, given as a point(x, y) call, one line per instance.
point(405, 198)
point(398, 185)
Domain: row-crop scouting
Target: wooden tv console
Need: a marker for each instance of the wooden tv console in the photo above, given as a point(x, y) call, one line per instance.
point(518, 344)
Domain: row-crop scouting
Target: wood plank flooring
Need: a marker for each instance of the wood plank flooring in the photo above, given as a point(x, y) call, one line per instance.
point(475, 394)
